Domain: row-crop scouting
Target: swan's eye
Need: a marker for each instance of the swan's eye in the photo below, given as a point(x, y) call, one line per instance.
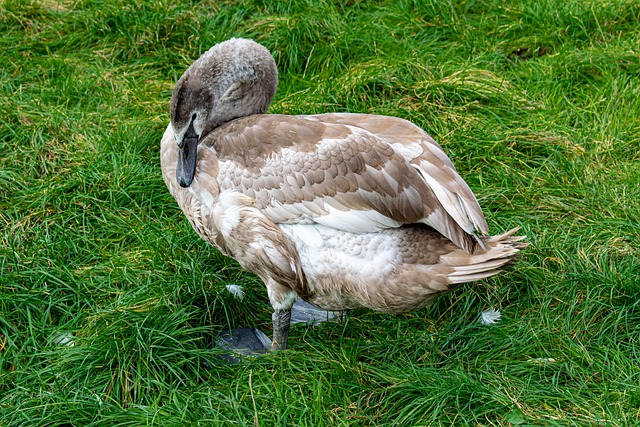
point(194, 116)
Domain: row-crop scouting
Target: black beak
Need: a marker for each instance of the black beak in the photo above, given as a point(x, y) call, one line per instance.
point(186, 168)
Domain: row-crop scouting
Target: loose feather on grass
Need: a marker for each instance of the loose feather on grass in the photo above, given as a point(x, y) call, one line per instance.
point(490, 316)
point(236, 291)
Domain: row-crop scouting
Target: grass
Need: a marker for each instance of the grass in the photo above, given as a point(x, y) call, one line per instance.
point(536, 101)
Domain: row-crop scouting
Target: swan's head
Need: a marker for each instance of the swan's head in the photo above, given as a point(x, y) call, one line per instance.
point(233, 79)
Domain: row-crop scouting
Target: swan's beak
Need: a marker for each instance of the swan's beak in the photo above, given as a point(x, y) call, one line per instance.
point(188, 151)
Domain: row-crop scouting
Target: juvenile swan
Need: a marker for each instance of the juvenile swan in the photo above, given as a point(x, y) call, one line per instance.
point(344, 210)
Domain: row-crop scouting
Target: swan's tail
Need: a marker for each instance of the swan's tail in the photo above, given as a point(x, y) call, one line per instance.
point(499, 251)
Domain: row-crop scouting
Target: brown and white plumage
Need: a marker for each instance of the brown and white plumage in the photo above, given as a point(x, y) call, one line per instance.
point(345, 210)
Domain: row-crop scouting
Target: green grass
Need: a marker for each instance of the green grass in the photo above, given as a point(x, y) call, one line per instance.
point(536, 101)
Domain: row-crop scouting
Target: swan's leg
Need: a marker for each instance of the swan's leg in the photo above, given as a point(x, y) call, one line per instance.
point(282, 298)
point(281, 324)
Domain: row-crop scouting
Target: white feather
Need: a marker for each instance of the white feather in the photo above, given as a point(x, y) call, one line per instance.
point(408, 151)
point(365, 221)
point(226, 211)
point(63, 338)
point(236, 291)
point(490, 316)
point(307, 233)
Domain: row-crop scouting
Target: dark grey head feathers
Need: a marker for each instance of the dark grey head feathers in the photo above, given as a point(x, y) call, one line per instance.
point(235, 78)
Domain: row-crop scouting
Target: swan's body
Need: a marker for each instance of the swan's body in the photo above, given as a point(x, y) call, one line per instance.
point(345, 210)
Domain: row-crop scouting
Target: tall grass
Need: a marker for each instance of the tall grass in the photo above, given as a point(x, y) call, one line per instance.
point(536, 101)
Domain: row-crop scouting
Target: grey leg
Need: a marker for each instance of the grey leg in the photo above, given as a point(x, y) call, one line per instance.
point(281, 324)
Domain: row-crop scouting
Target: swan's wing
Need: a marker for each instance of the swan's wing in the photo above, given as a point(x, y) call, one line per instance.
point(428, 157)
point(303, 170)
